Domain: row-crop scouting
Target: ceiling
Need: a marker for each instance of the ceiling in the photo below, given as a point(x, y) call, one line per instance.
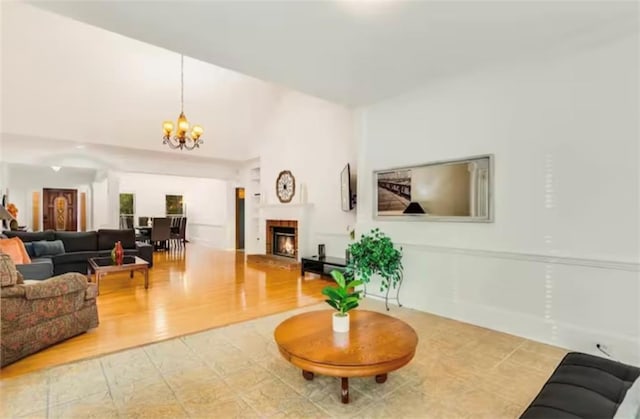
point(354, 52)
point(105, 74)
point(63, 79)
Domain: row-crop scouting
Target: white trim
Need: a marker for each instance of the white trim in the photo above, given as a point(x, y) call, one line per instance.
point(207, 224)
point(530, 257)
point(341, 235)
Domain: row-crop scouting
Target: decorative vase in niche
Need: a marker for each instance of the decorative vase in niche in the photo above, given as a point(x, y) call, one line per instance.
point(340, 322)
point(347, 255)
point(321, 251)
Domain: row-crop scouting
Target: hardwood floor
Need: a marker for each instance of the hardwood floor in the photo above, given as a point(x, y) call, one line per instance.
point(189, 291)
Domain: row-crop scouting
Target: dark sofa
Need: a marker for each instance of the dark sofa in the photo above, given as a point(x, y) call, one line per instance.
point(78, 248)
point(583, 386)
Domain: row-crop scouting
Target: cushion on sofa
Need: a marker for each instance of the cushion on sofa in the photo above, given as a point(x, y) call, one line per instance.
point(78, 241)
point(38, 269)
point(48, 248)
point(29, 236)
point(583, 386)
point(15, 249)
point(8, 273)
point(74, 257)
point(29, 248)
point(107, 239)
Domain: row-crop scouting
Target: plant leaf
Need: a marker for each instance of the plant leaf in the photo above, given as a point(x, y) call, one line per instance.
point(354, 283)
point(338, 277)
point(348, 307)
point(332, 293)
point(332, 304)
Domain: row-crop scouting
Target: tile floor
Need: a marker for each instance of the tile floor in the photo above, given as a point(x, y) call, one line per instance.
point(459, 371)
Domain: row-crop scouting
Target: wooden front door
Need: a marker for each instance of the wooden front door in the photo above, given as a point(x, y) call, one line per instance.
point(60, 209)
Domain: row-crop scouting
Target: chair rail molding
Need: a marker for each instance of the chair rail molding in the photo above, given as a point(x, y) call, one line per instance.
point(529, 257)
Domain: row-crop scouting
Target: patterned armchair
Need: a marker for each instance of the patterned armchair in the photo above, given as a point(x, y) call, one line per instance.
point(38, 314)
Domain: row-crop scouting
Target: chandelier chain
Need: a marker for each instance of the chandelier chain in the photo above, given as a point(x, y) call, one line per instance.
point(181, 83)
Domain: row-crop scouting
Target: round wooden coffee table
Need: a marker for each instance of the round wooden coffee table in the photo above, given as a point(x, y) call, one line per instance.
point(375, 345)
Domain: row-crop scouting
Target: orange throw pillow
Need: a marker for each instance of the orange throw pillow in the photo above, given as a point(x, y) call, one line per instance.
point(15, 249)
point(23, 249)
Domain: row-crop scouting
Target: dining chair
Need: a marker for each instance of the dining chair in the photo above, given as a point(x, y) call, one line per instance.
point(178, 233)
point(160, 231)
point(126, 222)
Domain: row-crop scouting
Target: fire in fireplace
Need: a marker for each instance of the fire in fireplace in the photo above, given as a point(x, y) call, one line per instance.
point(284, 241)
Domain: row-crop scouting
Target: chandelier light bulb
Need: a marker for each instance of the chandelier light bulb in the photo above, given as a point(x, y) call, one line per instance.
point(183, 124)
point(167, 126)
point(196, 132)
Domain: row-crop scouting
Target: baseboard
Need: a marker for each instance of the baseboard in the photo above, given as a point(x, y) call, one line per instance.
point(621, 347)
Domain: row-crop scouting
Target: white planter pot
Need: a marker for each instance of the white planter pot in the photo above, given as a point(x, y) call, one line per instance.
point(340, 323)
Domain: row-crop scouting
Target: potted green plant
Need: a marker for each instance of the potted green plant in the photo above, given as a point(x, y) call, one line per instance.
point(342, 298)
point(375, 253)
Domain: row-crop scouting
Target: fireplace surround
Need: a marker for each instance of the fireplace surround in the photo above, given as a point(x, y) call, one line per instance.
point(282, 238)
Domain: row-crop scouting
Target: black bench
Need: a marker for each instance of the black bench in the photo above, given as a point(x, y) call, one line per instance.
point(583, 386)
point(322, 266)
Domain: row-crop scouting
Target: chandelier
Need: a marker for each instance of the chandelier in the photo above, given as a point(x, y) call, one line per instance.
point(182, 138)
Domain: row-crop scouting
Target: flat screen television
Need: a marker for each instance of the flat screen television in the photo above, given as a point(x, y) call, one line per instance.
point(345, 189)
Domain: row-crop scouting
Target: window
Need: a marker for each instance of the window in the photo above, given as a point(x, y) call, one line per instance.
point(126, 210)
point(174, 205)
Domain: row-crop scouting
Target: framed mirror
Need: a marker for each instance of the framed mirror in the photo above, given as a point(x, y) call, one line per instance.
point(452, 190)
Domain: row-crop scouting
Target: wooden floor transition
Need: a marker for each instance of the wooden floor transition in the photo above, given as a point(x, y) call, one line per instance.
point(190, 290)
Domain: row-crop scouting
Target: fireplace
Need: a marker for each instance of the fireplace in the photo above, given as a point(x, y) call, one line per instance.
point(282, 238)
point(283, 241)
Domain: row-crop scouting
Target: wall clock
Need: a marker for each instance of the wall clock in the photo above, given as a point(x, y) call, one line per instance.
point(285, 186)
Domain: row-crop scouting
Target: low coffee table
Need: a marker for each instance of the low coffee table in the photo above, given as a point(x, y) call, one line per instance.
point(104, 265)
point(375, 345)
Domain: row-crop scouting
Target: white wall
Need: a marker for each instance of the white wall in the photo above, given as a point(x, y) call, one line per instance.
point(209, 218)
point(314, 139)
point(250, 175)
point(100, 208)
point(560, 262)
point(4, 175)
